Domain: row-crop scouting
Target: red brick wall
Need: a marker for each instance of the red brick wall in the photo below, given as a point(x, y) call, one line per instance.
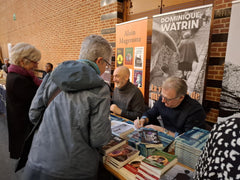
point(220, 28)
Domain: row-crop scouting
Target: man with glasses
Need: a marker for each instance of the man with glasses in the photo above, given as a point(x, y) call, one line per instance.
point(175, 112)
point(127, 99)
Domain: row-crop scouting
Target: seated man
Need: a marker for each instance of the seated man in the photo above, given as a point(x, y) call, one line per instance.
point(127, 99)
point(178, 111)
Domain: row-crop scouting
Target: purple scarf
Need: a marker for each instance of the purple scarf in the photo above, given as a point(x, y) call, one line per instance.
point(24, 72)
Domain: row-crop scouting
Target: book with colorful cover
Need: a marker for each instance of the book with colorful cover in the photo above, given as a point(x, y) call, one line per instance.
point(146, 174)
point(195, 138)
point(114, 143)
point(122, 155)
point(159, 161)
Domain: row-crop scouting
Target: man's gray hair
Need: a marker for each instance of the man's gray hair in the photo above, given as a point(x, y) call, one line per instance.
point(24, 50)
point(176, 83)
point(95, 46)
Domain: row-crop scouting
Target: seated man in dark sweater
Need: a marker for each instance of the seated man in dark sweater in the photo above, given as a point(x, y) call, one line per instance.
point(127, 99)
point(174, 112)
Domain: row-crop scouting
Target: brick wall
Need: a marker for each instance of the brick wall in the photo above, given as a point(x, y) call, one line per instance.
point(219, 33)
point(55, 27)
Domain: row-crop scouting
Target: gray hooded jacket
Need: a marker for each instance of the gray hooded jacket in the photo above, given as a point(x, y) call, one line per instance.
point(74, 124)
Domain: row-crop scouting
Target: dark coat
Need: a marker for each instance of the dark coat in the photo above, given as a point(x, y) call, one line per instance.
point(20, 91)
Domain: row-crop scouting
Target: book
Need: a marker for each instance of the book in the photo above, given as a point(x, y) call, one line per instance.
point(122, 155)
point(150, 138)
point(121, 129)
point(178, 172)
point(159, 162)
point(113, 144)
point(189, 146)
point(135, 140)
point(144, 173)
point(132, 166)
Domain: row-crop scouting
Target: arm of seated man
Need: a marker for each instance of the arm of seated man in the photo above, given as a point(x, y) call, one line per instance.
point(115, 109)
point(161, 129)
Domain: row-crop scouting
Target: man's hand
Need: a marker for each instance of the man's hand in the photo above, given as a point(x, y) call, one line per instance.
point(157, 128)
point(115, 109)
point(139, 123)
point(161, 129)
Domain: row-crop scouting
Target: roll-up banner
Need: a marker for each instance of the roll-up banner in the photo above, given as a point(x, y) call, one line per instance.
point(230, 95)
point(131, 49)
point(180, 42)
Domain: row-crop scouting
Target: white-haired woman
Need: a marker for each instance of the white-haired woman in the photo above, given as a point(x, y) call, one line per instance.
point(21, 86)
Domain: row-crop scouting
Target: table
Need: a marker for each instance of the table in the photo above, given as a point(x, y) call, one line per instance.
point(119, 176)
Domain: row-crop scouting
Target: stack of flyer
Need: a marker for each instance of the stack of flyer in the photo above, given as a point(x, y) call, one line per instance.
point(155, 165)
point(189, 146)
point(121, 156)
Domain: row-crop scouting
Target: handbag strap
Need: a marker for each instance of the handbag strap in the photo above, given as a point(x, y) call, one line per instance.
point(57, 91)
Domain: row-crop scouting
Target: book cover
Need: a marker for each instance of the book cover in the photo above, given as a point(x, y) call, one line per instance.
point(120, 57)
point(150, 136)
point(196, 138)
point(137, 80)
point(133, 165)
point(122, 130)
point(114, 143)
point(129, 56)
point(139, 56)
point(122, 155)
point(146, 174)
point(160, 161)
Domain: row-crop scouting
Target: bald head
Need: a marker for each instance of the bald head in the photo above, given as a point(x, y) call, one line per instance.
point(121, 76)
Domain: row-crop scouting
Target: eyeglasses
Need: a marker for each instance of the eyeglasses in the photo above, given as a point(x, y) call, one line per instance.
point(31, 61)
point(168, 100)
point(108, 64)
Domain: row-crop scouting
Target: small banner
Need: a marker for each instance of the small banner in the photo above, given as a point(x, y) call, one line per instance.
point(180, 42)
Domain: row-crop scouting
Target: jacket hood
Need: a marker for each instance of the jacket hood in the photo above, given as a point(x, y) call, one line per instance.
point(77, 75)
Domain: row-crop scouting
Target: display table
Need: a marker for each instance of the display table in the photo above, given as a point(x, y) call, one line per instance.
point(119, 176)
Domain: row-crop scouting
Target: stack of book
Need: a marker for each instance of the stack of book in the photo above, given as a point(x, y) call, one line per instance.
point(121, 156)
point(155, 165)
point(114, 143)
point(129, 170)
point(148, 140)
point(189, 146)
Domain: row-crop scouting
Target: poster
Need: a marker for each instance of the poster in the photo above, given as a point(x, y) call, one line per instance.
point(138, 59)
point(138, 78)
point(120, 56)
point(128, 56)
point(180, 42)
point(131, 46)
point(230, 95)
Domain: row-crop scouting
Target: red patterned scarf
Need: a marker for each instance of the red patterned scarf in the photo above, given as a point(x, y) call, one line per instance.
point(24, 72)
